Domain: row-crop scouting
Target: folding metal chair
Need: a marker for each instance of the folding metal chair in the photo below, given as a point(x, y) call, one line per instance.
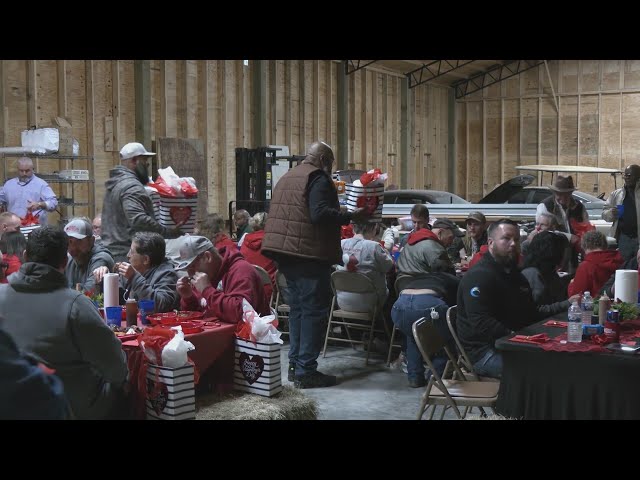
point(464, 362)
point(266, 280)
point(282, 309)
point(454, 393)
point(352, 282)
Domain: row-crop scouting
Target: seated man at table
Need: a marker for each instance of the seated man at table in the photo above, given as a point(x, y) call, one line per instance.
point(85, 255)
point(218, 281)
point(425, 250)
point(63, 328)
point(494, 299)
point(149, 275)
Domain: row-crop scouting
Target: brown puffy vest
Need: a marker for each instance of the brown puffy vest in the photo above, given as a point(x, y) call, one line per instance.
point(289, 230)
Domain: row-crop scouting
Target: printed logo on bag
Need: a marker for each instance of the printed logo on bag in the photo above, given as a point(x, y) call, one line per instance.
point(475, 292)
point(180, 214)
point(251, 367)
point(158, 395)
point(370, 204)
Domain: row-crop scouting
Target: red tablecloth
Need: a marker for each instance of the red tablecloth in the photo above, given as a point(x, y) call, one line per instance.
point(213, 358)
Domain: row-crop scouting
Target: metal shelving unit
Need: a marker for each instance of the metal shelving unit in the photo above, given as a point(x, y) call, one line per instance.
point(66, 204)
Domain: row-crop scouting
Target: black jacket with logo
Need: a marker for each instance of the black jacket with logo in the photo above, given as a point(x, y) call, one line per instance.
point(492, 303)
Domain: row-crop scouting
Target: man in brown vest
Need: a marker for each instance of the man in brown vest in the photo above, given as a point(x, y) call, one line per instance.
point(302, 235)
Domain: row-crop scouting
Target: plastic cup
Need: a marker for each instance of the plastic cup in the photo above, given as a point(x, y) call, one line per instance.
point(145, 307)
point(113, 315)
point(620, 210)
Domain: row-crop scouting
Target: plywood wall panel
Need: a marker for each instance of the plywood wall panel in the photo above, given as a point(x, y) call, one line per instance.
point(529, 131)
point(511, 142)
point(461, 149)
point(610, 134)
point(127, 102)
point(492, 160)
point(569, 131)
point(611, 74)
point(589, 75)
point(475, 164)
point(549, 132)
point(630, 128)
point(569, 76)
point(632, 73)
point(529, 82)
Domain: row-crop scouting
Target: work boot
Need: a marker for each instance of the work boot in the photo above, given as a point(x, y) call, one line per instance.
point(315, 380)
point(417, 382)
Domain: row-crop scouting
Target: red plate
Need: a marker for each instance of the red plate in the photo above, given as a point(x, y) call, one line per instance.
point(191, 327)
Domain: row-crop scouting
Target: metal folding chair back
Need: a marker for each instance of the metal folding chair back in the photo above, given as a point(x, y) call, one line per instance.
point(464, 362)
point(402, 281)
point(281, 308)
point(351, 282)
point(455, 393)
point(266, 280)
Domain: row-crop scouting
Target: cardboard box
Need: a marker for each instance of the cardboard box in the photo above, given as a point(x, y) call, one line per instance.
point(170, 393)
point(257, 368)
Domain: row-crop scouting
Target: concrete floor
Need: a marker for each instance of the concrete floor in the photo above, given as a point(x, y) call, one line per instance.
point(372, 392)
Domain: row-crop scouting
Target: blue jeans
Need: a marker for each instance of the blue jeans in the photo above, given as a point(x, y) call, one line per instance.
point(309, 297)
point(627, 246)
point(490, 365)
point(405, 312)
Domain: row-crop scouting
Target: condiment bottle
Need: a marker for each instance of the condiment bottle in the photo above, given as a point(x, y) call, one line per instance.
point(604, 304)
point(132, 312)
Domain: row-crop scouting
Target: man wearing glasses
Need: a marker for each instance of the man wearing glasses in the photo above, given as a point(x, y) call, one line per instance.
point(127, 208)
point(28, 192)
point(621, 209)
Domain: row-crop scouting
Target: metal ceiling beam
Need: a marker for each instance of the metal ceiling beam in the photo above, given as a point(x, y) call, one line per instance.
point(351, 66)
point(495, 74)
point(433, 70)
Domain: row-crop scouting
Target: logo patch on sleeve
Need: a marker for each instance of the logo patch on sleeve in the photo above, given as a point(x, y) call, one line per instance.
point(475, 292)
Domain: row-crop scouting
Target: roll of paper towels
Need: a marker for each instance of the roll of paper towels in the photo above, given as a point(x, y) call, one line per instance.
point(626, 288)
point(111, 290)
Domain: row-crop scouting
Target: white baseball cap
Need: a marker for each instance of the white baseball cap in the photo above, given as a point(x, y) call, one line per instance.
point(133, 149)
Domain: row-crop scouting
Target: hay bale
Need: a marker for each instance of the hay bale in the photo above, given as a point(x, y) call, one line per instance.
point(290, 404)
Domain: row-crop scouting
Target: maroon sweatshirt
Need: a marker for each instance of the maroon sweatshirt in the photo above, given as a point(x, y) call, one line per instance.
point(239, 280)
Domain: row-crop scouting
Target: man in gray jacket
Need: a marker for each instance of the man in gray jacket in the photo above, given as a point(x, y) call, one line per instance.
point(85, 255)
point(425, 250)
point(71, 337)
point(150, 275)
point(127, 207)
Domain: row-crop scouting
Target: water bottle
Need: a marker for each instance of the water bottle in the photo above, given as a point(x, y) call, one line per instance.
point(574, 324)
point(587, 308)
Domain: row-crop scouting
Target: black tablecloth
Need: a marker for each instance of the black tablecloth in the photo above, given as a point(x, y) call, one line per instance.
point(539, 384)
